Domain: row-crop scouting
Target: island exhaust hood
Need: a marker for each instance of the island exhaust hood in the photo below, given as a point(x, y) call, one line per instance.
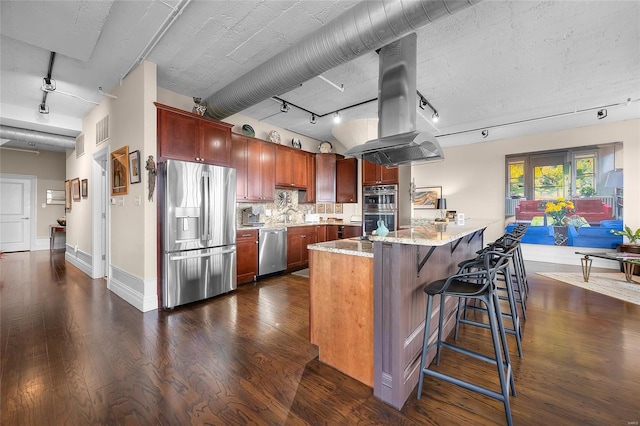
point(398, 140)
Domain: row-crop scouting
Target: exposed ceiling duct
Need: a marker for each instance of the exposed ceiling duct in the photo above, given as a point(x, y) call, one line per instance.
point(398, 140)
point(15, 134)
point(367, 26)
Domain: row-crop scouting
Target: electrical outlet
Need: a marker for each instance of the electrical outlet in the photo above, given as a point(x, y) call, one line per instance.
point(267, 212)
point(75, 248)
point(44, 205)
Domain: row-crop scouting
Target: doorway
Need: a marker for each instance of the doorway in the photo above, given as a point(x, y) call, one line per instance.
point(17, 215)
point(100, 219)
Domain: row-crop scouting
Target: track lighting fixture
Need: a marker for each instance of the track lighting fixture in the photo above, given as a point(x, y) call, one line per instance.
point(422, 103)
point(48, 84)
point(484, 133)
point(602, 113)
point(336, 117)
point(313, 119)
point(435, 117)
point(284, 107)
point(43, 109)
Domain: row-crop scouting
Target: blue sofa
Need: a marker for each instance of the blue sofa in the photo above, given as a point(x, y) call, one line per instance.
point(599, 236)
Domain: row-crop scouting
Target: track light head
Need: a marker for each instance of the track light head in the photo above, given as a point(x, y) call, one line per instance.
point(602, 113)
point(422, 103)
point(48, 84)
point(284, 107)
point(43, 109)
point(484, 133)
point(313, 119)
point(435, 117)
point(336, 117)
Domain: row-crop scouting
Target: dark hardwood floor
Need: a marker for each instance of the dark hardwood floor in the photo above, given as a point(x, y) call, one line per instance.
point(73, 353)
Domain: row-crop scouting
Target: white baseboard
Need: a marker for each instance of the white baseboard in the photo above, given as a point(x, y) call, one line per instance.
point(563, 255)
point(79, 259)
point(142, 294)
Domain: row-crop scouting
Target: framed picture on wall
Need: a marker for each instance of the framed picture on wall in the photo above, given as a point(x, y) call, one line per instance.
point(75, 189)
point(84, 187)
point(67, 195)
point(120, 171)
point(134, 167)
point(426, 197)
point(320, 208)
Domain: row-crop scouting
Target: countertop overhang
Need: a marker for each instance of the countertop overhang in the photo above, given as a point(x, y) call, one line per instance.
point(437, 234)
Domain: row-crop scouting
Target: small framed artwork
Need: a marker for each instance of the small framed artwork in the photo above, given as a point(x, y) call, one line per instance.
point(75, 189)
point(67, 195)
point(134, 167)
point(451, 214)
point(320, 208)
point(84, 188)
point(328, 208)
point(120, 171)
point(426, 197)
point(338, 208)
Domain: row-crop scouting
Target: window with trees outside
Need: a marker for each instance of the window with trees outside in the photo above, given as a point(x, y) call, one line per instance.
point(561, 193)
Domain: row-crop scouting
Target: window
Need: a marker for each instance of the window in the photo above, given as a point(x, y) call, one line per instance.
point(585, 178)
point(516, 179)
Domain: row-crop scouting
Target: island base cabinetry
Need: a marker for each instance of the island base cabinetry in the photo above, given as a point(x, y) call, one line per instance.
point(341, 312)
point(400, 306)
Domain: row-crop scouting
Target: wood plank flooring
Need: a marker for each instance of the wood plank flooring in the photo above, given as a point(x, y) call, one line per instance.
point(73, 353)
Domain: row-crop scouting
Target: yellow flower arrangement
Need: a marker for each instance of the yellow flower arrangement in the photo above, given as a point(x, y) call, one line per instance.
point(559, 209)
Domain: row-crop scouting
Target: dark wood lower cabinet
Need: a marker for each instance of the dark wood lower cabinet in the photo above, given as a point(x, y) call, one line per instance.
point(246, 255)
point(298, 238)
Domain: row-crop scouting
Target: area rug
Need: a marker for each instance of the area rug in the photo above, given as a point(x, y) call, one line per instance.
point(609, 284)
point(301, 273)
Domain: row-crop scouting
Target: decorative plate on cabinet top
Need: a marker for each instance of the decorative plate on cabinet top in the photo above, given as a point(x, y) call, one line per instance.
point(248, 130)
point(325, 147)
point(274, 136)
point(295, 142)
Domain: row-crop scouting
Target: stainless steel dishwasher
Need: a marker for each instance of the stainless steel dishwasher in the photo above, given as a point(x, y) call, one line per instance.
point(272, 246)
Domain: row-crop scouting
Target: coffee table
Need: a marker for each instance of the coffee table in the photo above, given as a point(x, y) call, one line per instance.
point(626, 259)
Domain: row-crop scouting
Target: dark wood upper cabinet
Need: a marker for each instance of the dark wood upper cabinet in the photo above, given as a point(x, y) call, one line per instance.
point(326, 178)
point(291, 168)
point(347, 180)
point(185, 136)
point(254, 161)
point(375, 174)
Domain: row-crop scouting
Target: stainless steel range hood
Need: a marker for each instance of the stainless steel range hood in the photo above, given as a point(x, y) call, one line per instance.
point(398, 140)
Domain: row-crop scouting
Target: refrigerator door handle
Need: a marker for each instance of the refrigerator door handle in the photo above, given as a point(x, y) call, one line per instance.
point(206, 192)
point(196, 256)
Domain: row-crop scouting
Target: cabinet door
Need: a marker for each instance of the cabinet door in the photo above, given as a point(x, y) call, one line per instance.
point(388, 175)
point(321, 233)
point(177, 136)
point(283, 166)
point(347, 180)
point(294, 245)
point(351, 231)
point(254, 173)
point(370, 175)
point(215, 143)
point(247, 255)
point(299, 170)
point(309, 237)
point(332, 232)
point(267, 171)
point(311, 178)
point(326, 178)
point(239, 162)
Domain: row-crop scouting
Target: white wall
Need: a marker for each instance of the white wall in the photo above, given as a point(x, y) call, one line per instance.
point(472, 176)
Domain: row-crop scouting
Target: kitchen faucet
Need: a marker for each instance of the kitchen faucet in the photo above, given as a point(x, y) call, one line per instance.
point(286, 214)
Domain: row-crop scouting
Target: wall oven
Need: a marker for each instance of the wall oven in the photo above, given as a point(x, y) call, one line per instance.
point(379, 202)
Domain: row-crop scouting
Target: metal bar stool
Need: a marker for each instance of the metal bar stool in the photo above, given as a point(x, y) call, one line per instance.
point(478, 284)
point(502, 275)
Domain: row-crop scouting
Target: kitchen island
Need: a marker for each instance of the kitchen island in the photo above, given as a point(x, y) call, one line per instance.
point(350, 304)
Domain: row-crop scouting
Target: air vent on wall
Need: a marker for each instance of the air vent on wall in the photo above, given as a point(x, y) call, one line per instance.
point(80, 145)
point(102, 130)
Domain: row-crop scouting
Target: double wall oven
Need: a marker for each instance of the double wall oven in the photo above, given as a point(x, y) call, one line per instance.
point(379, 202)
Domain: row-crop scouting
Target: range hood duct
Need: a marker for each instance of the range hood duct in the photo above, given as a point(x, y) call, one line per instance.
point(398, 140)
point(367, 26)
point(39, 138)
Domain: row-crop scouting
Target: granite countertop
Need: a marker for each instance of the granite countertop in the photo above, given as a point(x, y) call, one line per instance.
point(350, 246)
point(432, 235)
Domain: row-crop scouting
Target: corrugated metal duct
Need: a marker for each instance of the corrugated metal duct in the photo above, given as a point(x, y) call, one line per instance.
point(367, 26)
point(40, 138)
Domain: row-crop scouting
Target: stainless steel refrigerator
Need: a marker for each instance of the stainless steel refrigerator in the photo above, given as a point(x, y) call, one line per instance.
point(198, 231)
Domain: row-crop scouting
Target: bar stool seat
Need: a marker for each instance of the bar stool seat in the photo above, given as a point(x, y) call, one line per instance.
point(478, 284)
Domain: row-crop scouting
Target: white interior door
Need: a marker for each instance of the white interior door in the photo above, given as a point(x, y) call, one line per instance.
point(15, 214)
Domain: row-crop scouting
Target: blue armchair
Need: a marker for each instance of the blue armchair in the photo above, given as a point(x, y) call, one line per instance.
point(536, 234)
point(600, 236)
